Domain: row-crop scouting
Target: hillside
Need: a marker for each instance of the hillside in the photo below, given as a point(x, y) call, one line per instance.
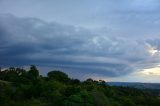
point(19, 87)
point(136, 85)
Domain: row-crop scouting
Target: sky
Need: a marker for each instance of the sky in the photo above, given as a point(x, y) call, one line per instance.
point(114, 40)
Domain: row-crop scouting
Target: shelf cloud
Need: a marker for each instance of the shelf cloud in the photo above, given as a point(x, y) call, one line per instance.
point(106, 38)
point(28, 40)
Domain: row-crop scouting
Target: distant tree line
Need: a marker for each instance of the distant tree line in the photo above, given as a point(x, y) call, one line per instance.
point(20, 87)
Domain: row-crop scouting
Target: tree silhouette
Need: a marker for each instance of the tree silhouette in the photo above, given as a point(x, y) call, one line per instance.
point(33, 72)
point(58, 75)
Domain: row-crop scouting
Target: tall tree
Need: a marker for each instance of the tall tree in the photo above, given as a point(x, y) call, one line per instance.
point(58, 75)
point(33, 72)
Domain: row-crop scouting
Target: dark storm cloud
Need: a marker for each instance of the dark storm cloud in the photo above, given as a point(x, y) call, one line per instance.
point(26, 41)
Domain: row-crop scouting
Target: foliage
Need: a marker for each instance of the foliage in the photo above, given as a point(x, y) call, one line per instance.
point(19, 87)
point(58, 75)
point(33, 72)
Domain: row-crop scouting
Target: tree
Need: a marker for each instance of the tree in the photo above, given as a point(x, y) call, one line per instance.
point(33, 72)
point(89, 84)
point(58, 75)
point(75, 81)
point(83, 98)
point(19, 87)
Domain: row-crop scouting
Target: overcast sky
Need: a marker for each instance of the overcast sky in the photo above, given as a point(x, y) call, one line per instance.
point(115, 40)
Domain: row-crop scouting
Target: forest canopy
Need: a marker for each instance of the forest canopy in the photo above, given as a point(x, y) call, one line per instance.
point(28, 88)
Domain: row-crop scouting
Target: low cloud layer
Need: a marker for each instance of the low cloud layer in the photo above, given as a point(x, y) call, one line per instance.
point(25, 41)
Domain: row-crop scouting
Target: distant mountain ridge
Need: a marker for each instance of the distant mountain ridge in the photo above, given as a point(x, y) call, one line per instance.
point(136, 85)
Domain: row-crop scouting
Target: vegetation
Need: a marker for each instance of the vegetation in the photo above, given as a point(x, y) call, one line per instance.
point(19, 87)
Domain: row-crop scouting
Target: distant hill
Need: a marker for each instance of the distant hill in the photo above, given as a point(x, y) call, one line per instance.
point(19, 87)
point(136, 85)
